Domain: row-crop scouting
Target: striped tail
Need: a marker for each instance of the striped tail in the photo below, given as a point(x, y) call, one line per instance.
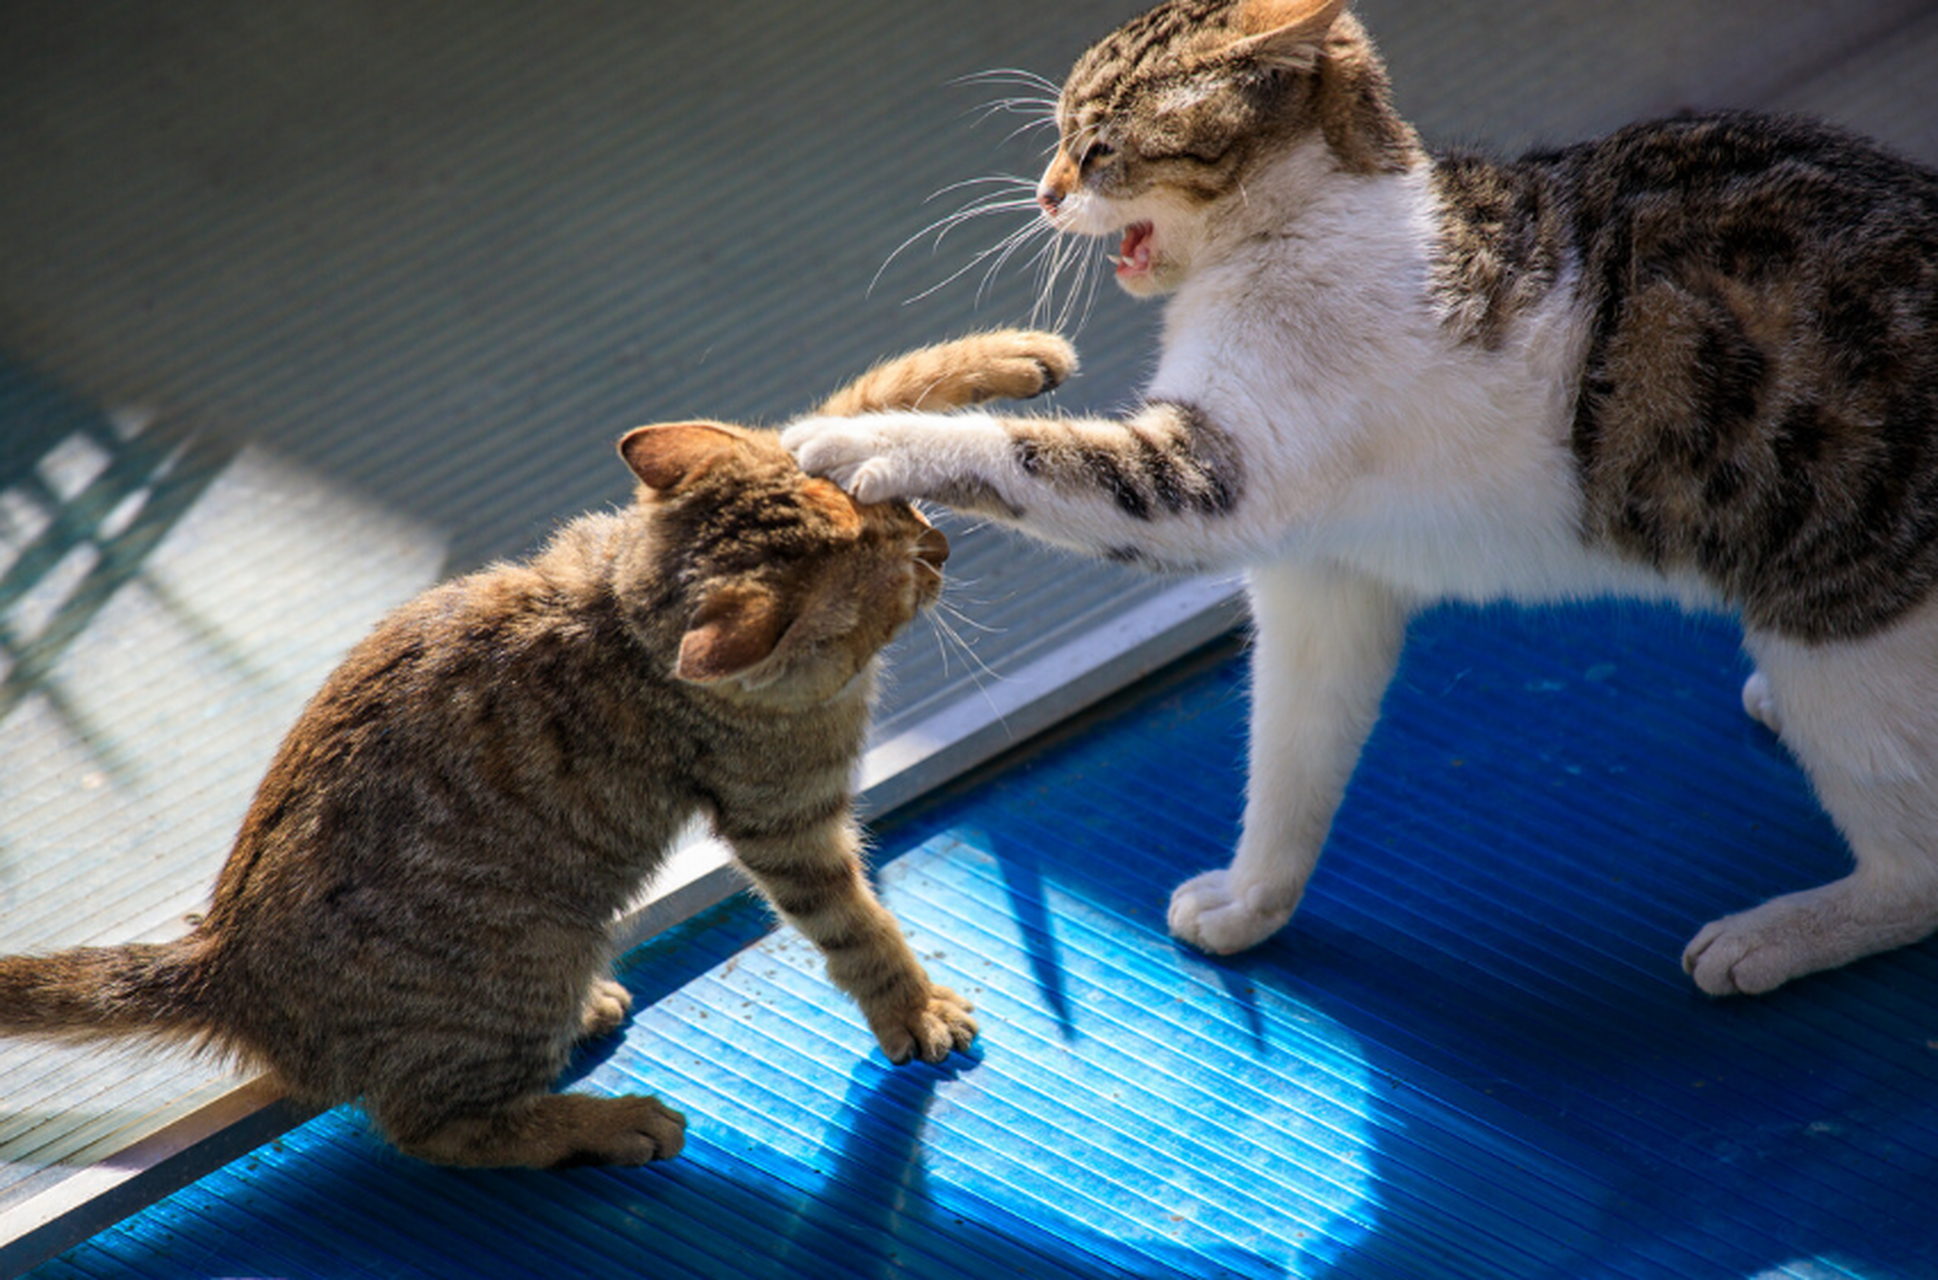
point(91, 993)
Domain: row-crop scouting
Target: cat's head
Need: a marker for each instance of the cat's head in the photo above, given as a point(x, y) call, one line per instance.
point(787, 588)
point(1200, 117)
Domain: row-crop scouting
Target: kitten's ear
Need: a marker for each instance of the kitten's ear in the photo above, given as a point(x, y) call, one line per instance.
point(735, 629)
point(665, 457)
point(1287, 32)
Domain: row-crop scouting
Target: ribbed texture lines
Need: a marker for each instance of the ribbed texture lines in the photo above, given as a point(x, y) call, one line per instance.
point(1472, 1055)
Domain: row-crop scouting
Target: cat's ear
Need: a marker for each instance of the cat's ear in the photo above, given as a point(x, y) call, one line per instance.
point(734, 630)
point(665, 457)
point(1286, 32)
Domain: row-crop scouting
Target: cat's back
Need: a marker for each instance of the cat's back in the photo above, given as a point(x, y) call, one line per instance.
point(507, 711)
point(1758, 399)
point(1744, 194)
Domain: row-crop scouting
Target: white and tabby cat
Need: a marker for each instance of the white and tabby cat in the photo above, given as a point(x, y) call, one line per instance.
point(1694, 360)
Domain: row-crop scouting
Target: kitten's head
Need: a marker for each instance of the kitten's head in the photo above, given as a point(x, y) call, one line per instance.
point(787, 587)
point(1164, 123)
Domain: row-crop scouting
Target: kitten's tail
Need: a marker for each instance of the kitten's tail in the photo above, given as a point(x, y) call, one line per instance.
point(93, 993)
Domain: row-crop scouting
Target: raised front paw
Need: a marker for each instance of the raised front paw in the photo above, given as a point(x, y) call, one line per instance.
point(930, 1027)
point(859, 454)
point(1008, 364)
point(1214, 912)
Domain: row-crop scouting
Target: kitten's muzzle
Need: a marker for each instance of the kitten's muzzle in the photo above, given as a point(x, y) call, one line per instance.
point(932, 548)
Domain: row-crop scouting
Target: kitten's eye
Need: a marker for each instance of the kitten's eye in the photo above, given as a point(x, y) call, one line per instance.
point(1096, 153)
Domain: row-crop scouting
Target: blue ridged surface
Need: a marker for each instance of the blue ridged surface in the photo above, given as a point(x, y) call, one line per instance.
point(1473, 1055)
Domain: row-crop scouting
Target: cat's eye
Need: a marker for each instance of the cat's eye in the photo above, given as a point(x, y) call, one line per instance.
point(1096, 153)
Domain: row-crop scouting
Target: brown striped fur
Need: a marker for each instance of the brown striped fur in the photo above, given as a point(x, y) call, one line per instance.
point(416, 909)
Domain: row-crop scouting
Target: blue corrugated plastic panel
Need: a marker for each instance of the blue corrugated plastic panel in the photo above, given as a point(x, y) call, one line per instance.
point(1472, 1055)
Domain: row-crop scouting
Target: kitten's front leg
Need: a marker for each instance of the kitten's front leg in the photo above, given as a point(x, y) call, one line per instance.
point(1326, 645)
point(814, 879)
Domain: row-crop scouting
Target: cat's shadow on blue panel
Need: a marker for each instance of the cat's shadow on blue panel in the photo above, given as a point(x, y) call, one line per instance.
point(1554, 802)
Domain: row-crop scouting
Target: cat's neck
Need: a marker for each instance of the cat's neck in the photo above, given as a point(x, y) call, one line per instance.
point(1311, 241)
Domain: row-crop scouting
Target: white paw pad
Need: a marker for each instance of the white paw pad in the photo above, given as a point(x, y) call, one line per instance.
point(1215, 912)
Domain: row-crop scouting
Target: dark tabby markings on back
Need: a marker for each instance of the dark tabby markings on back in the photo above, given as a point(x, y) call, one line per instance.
point(1759, 396)
point(1502, 247)
point(1168, 459)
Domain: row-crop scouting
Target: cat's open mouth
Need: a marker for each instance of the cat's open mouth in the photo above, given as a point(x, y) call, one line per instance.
point(1133, 257)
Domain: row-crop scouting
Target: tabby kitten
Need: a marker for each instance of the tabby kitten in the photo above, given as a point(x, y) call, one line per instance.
point(416, 910)
point(1695, 360)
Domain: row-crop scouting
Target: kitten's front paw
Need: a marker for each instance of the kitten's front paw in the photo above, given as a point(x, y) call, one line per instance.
point(856, 453)
point(1214, 913)
point(937, 1024)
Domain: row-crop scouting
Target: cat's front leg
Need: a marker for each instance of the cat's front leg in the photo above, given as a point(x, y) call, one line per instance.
point(814, 879)
point(1326, 645)
point(961, 459)
point(1165, 487)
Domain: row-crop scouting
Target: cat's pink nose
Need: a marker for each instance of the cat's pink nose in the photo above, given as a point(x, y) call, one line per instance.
point(1050, 199)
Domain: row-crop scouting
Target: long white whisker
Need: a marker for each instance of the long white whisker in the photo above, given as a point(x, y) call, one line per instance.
point(1007, 179)
point(1014, 75)
point(1010, 244)
point(966, 267)
point(1042, 108)
point(995, 202)
point(968, 650)
point(1029, 126)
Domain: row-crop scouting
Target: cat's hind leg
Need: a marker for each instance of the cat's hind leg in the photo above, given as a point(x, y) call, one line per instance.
point(1862, 718)
point(541, 1130)
point(1759, 702)
point(606, 1006)
point(469, 1082)
point(1326, 645)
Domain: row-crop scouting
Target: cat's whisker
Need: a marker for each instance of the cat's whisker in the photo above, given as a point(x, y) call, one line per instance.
point(970, 265)
point(1011, 243)
point(977, 667)
point(1056, 256)
point(963, 617)
point(1035, 107)
point(1030, 126)
point(1092, 277)
point(995, 202)
point(1012, 75)
point(1010, 179)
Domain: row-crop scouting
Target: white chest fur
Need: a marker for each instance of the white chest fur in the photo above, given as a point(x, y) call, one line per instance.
point(1371, 435)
